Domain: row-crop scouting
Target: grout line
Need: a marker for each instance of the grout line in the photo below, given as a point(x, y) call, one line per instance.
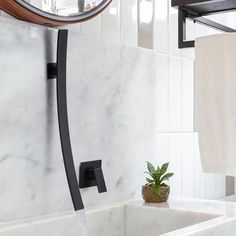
point(168, 67)
point(182, 165)
point(180, 132)
point(182, 125)
point(120, 20)
point(194, 172)
point(193, 169)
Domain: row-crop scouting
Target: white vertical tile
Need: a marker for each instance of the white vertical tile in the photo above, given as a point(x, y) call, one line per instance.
point(173, 32)
point(146, 23)
point(188, 94)
point(162, 97)
point(162, 145)
point(92, 27)
point(206, 185)
point(210, 186)
point(199, 177)
point(110, 20)
point(188, 165)
point(175, 159)
point(129, 22)
point(219, 186)
point(161, 26)
point(175, 94)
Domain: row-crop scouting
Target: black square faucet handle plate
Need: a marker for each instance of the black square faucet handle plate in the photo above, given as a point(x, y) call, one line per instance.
point(91, 174)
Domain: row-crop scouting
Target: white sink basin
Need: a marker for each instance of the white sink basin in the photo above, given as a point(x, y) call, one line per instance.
point(153, 221)
point(120, 220)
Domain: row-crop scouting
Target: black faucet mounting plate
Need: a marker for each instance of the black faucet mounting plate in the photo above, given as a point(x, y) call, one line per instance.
point(91, 175)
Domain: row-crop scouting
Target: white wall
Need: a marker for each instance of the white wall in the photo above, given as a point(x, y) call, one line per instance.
point(127, 105)
point(176, 140)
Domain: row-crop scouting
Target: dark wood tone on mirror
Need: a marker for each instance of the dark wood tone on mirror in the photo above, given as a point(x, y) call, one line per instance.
point(15, 9)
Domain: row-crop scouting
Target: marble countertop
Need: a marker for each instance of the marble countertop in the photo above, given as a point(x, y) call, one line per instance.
point(223, 225)
point(112, 217)
point(217, 207)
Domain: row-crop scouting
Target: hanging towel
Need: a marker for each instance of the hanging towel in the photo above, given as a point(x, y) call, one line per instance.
point(215, 97)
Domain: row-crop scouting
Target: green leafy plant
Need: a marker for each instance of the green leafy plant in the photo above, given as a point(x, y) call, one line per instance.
point(158, 176)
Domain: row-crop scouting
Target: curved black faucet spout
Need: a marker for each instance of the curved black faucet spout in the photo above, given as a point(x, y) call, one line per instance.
point(58, 71)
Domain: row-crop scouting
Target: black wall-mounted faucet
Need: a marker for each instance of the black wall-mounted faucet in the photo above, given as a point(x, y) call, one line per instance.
point(90, 172)
point(58, 71)
point(91, 175)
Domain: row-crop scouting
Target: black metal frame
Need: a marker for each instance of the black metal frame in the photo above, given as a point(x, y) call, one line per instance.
point(58, 71)
point(182, 43)
point(195, 10)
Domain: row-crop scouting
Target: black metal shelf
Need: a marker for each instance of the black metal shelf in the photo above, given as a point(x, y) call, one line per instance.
point(195, 10)
point(205, 7)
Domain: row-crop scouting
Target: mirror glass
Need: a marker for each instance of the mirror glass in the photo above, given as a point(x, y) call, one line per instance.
point(65, 7)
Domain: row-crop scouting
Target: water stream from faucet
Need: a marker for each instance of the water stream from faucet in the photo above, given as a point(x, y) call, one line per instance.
point(82, 222)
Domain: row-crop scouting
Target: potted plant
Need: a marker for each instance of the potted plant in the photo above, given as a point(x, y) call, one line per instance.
point(156, 190)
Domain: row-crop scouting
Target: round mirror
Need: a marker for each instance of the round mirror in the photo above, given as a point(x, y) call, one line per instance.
point(54, 12)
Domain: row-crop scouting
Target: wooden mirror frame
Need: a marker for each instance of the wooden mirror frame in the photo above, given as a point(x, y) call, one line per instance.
point(25, 11)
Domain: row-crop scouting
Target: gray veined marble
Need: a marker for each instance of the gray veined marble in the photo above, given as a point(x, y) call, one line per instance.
point(111, 100)
point(185, 218)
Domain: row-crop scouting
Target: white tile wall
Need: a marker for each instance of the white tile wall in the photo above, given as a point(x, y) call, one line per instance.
point(111, 23)
point(175, 94)
point(92, 27)
point(175, 140)
point(162, 93)
point(187, 165)
point(175, 159)
point(173, 32)
point(187, 69)
point(199, 176)
point(161, 26)
point(129, 22)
